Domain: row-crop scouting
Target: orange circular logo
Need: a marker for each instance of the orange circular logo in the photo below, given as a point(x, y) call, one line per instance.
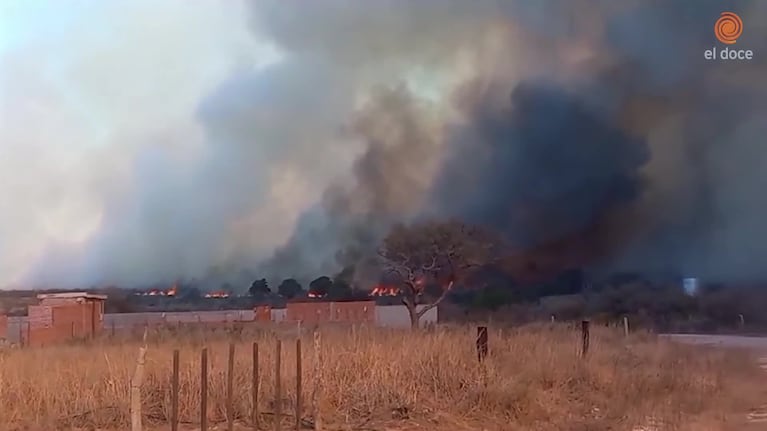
point(728, 28)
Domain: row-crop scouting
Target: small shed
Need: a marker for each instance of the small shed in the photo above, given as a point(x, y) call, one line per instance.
point(84, 309)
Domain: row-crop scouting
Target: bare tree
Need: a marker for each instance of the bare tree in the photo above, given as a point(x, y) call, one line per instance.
point(428, 253)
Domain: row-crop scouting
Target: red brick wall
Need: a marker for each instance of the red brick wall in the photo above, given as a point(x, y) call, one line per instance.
point(356, 311)
point(263, 313)
point(308, 312)
point(88, 319)
point(319, 312)
point(40, 316)
point(77, 319)
point(47, 336)
point(3, 326)
point(49, 324)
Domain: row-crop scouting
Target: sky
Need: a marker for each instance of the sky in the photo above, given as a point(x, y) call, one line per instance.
point(84, 86)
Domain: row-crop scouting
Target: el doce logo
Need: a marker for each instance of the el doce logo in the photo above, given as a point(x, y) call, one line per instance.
point(727, 30)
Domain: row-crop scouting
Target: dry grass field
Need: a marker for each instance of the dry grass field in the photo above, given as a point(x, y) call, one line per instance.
point(376, 379)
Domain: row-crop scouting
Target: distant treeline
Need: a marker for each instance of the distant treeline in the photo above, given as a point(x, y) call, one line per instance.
point(657, 305)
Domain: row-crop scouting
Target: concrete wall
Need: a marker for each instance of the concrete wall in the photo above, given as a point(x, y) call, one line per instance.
point(48, 324)
point(279, 314)
point(16, 329)
point(129, 320)
point(396, 316)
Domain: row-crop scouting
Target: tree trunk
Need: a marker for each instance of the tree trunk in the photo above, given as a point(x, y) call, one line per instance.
point(413, 312)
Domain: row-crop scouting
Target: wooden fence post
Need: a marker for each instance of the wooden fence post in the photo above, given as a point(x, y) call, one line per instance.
point(298, 384)
point(230, 390)
point(254, 388)
point(174, 393)
point(135, 388)
point(626, 326)
point(204, 389)
point(317, 390)
point(278, 386)
point(586, 338)
point(482, 343)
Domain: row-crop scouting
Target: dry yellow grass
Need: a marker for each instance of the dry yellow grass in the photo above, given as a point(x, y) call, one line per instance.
point(533, 380)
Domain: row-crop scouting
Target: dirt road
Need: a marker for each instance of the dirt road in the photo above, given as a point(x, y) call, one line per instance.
point(758, 417)
point(757, 343)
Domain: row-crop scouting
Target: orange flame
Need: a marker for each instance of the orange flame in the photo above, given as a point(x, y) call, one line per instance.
point(315, 295)
point(217, 294)
point(384, 290)
point(158, 292)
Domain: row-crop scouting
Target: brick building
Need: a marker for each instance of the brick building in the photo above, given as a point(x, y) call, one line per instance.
point(64, 316)
point(315, 312)
point(340, 311)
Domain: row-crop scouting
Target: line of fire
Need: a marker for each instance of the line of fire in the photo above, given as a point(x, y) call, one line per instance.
point(379, 290)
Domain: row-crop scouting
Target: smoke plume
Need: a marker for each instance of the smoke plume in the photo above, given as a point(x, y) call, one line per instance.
point(590, 136)
point(590, 131)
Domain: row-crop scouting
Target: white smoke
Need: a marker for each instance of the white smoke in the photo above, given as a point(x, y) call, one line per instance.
point(95, 104)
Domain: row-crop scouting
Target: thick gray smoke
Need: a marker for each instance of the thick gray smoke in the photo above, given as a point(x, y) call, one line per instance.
point(539, 169)
point(604, 132)
point(594, 125)
point(388, 184)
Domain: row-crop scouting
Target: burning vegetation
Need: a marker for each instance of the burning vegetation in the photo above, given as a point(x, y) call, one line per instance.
point(170, 292)
point(175, 291)
point(217, 295)
point(385, 290)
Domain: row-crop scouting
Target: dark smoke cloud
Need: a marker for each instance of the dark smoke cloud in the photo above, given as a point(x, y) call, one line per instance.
point(540, 168)
point(591, 126)
point(631, 149)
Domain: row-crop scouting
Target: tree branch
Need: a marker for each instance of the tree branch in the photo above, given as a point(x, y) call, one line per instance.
point(430, 266)
point(426, 309)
